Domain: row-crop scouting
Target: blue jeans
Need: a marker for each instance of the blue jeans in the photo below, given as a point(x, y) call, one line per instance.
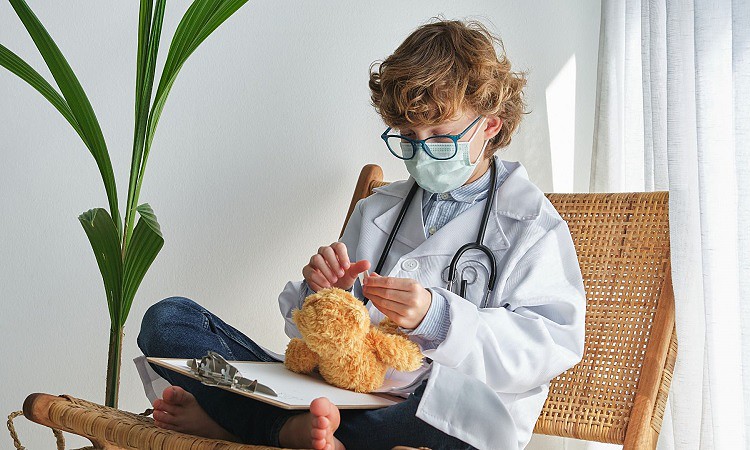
point(178, 327)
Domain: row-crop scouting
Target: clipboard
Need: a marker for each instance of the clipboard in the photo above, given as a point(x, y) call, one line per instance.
point(293, 390)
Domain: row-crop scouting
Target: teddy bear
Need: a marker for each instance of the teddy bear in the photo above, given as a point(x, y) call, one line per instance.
point(349, 351)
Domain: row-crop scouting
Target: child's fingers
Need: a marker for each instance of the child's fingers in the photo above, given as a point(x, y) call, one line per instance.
point(314, 278)
point(388, 307)
point(313, 285)
point(358, 267)
point(319, 280)
point(401, 284)
point(329, 256)
point(340, 249)
point(317, 262)
point(369, 276)
point(395, 295)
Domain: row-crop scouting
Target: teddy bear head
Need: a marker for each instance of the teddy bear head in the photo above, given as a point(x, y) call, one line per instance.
point(331, 316)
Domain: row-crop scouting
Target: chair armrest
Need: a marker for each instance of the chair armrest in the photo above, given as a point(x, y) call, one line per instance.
point(113, 429)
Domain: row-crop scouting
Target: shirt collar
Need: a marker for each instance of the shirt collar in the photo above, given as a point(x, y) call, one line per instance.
point(467, 193)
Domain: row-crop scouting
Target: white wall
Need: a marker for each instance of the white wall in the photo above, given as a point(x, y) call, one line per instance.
point(252, 167)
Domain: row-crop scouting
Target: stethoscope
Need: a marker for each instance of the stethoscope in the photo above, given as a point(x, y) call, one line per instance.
point(478, 245)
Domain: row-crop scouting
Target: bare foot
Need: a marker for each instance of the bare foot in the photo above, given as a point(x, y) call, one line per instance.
point(178, 410)
point(314, 429)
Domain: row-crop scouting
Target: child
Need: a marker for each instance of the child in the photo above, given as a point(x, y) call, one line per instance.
point(489, 354)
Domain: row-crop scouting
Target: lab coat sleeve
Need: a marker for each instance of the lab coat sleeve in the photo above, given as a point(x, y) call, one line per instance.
point(539, 332)
point(291, 298)
point(295, 292)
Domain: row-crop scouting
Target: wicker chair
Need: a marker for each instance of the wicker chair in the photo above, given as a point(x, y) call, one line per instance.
point(616, 394)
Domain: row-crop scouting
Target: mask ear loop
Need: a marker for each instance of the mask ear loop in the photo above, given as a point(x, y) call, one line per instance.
point(481, 152)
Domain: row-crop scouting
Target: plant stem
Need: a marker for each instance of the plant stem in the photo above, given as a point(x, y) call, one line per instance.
point(113, 365)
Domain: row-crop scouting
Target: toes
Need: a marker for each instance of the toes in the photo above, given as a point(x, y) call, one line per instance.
point(318, 433)
point(164, 417)
point(324, 420)
point(161, 405)
point(165, 425)
point(321, 406)
point(168, 394)
point(321, 423)
point(176, 395)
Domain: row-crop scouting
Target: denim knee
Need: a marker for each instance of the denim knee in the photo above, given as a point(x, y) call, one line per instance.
point(158, 319)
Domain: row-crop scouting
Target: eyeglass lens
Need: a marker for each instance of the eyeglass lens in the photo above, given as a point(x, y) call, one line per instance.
point(438, 147)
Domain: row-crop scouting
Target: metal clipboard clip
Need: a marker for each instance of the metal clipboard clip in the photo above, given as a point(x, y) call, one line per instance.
point(214, 370)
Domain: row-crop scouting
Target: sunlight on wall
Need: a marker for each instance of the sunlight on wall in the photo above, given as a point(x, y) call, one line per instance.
point(561, 117)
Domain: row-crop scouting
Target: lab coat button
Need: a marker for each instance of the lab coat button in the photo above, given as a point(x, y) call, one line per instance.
point(432, 230)
point(409, 264)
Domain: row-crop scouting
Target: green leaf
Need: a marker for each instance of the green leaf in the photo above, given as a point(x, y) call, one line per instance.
point(105, 242)
point(219, 16)
point(74, 95)
point(149, 35)
point(200, 20)
point(188, 28)
point(144, 25)
point(18, 66)
point(146, 243)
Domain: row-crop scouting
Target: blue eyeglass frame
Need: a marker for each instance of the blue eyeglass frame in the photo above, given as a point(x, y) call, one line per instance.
point(421, 142)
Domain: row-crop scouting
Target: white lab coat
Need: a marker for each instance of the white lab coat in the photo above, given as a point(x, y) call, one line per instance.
point(490, 376)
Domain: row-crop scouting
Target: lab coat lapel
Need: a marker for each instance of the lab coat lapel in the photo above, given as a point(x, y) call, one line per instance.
point(464, 229)
point(448, 238)
point(411, 232)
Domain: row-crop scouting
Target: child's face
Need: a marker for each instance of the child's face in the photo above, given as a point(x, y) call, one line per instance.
point(483, 129)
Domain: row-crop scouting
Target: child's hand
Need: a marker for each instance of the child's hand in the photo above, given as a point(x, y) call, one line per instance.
point(403, 300)
point(330, 267)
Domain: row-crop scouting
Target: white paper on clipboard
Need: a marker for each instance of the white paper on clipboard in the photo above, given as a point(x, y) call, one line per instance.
point(295, 391)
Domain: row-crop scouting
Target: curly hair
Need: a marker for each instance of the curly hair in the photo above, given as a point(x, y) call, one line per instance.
point(442, 68)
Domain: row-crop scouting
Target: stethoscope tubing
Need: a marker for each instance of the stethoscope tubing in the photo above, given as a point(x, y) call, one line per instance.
point(477, 245)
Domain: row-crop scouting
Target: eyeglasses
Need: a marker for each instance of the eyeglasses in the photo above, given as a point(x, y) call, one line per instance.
point(403, 147)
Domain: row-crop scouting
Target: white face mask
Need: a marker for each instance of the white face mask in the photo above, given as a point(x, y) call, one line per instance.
point(444, 175)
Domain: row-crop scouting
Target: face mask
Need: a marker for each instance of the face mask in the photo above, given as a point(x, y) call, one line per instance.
point(435, 175)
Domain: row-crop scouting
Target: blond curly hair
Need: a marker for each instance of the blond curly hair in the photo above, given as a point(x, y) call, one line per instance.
point(442, 68)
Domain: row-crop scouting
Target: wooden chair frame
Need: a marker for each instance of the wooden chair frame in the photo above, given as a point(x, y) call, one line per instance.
point(591, 401)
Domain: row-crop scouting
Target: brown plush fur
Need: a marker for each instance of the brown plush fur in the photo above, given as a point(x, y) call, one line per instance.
point(351, 353)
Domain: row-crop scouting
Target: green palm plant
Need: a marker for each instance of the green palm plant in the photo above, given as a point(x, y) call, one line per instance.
point(123, 252)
